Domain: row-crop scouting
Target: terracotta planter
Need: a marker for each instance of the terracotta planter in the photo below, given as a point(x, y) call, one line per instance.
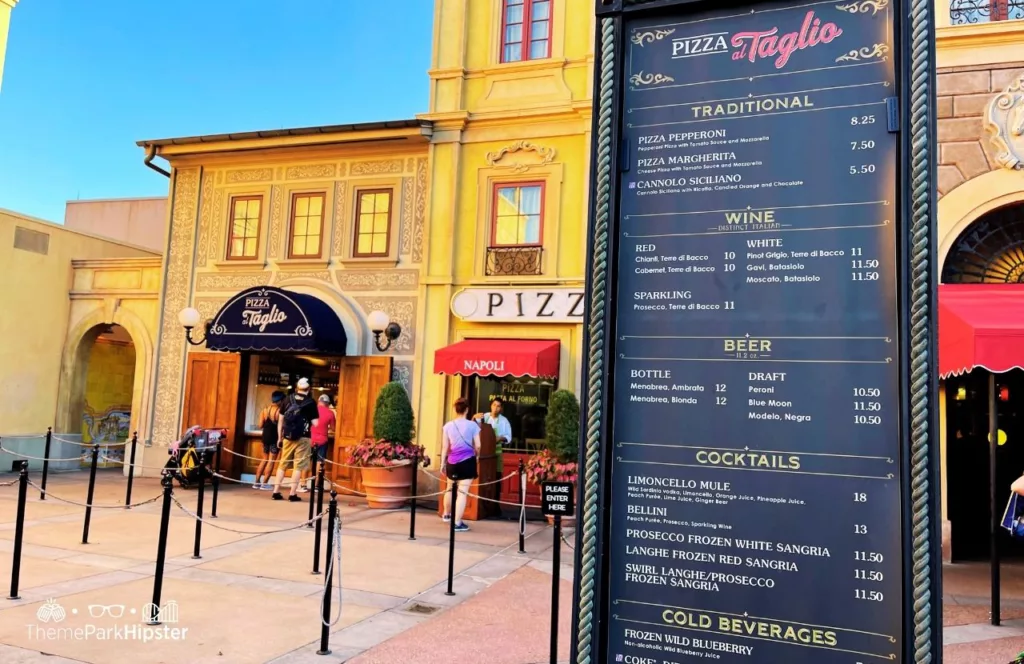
point(387, 488)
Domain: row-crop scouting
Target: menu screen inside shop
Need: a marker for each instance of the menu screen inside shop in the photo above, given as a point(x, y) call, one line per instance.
point(756, 471)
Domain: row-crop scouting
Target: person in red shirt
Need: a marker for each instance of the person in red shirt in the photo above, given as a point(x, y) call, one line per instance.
point(318, 433)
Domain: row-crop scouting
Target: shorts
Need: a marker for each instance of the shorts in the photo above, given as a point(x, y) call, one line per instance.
point(295, 454)
point(270, 448)
point(320, 452)
point(463, 470)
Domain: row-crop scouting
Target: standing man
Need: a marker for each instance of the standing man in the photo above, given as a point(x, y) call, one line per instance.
point(298, 415)
point(321, 430)
point(502, 427)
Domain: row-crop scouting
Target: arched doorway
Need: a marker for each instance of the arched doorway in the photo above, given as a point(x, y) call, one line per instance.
point(100, 409)
point(988, 251)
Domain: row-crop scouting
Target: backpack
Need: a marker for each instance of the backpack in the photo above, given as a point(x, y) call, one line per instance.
point(294, 423)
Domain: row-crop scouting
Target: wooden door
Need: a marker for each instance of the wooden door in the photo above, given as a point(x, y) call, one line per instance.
point(359, 383)
point(211, 395)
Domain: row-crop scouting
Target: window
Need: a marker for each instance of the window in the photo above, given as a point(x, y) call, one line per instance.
point(525, 30)
point(373, 224)
point(969, 12)
point(307, 225)
point(244, 234)
point(518, 212)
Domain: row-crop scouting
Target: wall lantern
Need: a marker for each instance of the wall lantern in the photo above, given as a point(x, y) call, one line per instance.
point(380, 324)
point(189, 319)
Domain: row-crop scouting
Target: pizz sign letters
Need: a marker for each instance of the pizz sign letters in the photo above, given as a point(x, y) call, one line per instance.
point(520, 305)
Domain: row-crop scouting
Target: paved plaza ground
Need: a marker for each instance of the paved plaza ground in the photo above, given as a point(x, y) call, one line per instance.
point(252, 598)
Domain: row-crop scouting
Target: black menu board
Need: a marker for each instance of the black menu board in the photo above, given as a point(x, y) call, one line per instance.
point(755, 473)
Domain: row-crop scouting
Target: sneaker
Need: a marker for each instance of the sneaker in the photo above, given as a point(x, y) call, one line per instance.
point(294, 499)
point(461, 528)
point(267, 487)
point(277, 496)
point(256, 486)
point(303, 490)
point(446, 518)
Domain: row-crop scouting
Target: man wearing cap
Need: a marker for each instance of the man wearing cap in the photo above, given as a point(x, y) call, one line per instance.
point(298, 415)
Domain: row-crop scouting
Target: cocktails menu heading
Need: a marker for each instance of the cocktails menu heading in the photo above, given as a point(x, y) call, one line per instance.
point(755, 470)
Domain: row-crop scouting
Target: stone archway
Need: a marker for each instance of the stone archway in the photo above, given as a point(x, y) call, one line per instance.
point(990, 250)
point(74, 364)
point(961, 207)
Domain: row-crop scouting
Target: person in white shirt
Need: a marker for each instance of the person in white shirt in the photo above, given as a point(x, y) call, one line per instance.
point(502, 427)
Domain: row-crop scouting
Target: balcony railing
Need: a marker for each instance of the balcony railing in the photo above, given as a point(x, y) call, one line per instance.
point(971, 12)
point(513, 261)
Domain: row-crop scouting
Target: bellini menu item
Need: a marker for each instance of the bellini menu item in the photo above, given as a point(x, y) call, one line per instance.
point(755, 473)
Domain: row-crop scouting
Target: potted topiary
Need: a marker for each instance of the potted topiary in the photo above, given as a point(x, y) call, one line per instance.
point(388, 460)
point(557, 462)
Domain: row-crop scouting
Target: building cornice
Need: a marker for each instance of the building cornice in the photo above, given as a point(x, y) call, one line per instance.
point(982, 43)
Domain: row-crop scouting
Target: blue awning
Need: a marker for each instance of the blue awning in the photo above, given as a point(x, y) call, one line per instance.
point(268, 319)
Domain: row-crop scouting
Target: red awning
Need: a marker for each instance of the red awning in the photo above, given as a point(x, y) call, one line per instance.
point(499, 357)
point(980, 326)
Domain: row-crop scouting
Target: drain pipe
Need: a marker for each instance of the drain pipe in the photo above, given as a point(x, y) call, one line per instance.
point(148, 161)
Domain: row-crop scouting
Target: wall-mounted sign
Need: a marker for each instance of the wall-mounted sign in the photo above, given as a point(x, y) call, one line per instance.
point(519, 305)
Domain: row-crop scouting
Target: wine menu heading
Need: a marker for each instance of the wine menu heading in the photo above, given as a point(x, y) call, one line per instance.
point(756, 450)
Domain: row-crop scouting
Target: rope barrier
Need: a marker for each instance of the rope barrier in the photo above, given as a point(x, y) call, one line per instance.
point(24, 436)
point(73, 502)
point(11, 483)
point(35, 458)
point(327, 574)
point(304, 524)
point(81, 444)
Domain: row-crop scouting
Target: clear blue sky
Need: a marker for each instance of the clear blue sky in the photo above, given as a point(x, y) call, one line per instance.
point(85, 80)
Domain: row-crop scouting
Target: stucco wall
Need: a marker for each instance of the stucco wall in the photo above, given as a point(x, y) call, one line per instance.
point(36, 263)
point(138, 221)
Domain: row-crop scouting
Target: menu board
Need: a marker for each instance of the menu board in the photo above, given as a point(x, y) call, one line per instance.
point(756, 493)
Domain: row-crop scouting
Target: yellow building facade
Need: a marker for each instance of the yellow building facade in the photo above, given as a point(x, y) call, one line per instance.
point(6, 6)
point(71, 298)
point(980, 84)
point(331, 217)
point(510, 101)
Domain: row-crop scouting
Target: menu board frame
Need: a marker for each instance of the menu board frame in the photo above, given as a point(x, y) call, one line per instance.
point(916, 284)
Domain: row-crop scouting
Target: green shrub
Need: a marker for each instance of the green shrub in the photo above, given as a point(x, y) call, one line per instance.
point(393, 420)
point(563, 425)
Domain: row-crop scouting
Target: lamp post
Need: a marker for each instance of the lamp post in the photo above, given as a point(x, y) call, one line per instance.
point(381, 325)
point(189, 319)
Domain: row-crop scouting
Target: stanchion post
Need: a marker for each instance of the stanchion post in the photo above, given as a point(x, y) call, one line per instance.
point(319, 522)
point(522, 507)
point(325, 619)
point(312, 494)
point(451, 537)
point(161, 549)
point(412, 499)
point(199, 507)
point(19, 530)
point(88, 497)
point(556, 564)
point(46, 463)
point(131, 472)
point(216, 481)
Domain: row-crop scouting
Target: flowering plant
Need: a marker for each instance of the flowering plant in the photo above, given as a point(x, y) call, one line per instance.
point(545, 466)
point(383, 453)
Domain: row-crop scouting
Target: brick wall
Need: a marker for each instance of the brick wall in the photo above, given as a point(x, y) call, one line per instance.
point(963, 94)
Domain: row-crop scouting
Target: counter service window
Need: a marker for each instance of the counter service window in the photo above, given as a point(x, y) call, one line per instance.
point(244, 231)
point(525, 406)
point(518, 215)
point(525, 30)
point(373, 224)
point(306, 227)
point(281, 372)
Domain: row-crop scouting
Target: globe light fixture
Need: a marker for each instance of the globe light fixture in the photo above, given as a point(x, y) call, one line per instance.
point(381, 325)
point(190, 319)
